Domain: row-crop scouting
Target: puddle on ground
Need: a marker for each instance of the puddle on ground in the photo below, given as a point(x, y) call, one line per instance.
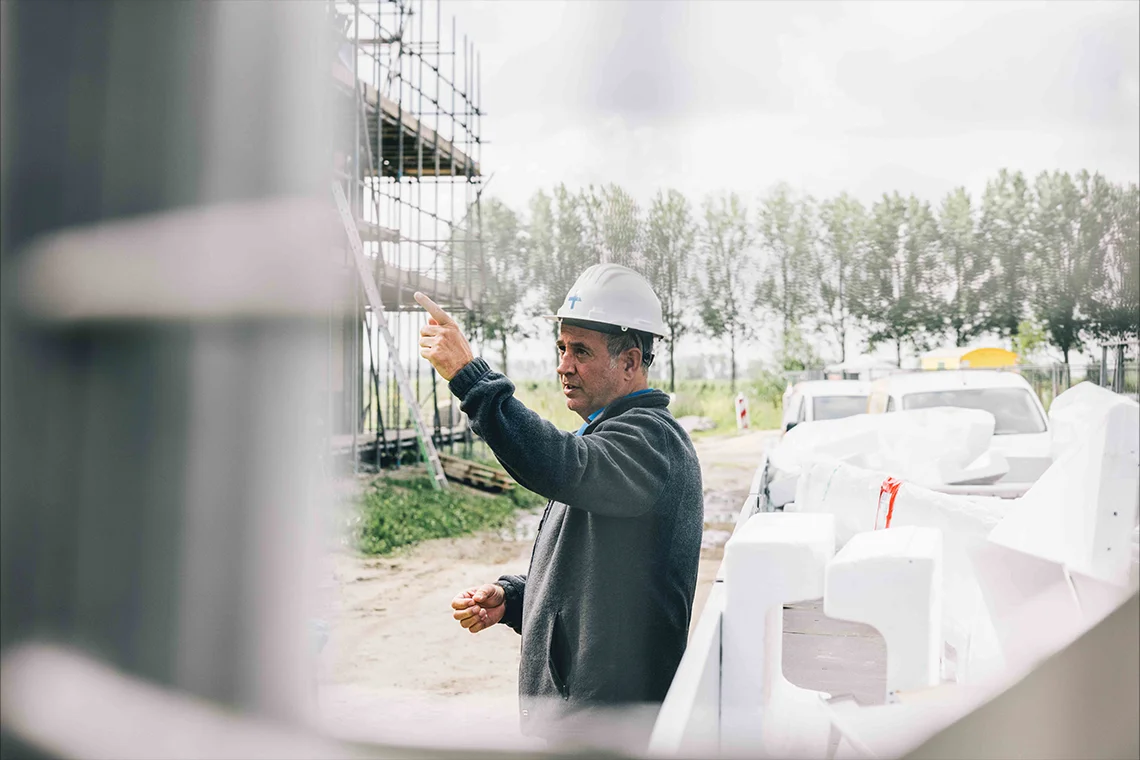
point(713, 538)
point(525, 527)
point(723, 506)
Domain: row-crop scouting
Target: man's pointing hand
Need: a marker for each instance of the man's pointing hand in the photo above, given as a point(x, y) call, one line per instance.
point(441, 341)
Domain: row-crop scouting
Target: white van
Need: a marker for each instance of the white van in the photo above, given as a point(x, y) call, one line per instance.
point(814, 400)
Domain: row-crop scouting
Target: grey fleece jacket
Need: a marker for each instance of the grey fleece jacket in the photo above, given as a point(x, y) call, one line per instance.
point(604, 609)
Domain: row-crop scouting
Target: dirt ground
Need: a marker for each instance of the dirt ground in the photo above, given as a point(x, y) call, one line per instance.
point(397, 667)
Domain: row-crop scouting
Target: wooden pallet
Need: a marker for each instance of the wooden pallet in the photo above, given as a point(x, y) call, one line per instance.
point(475, 474)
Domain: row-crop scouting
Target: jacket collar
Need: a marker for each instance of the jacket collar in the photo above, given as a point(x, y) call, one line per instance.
point(648, 397)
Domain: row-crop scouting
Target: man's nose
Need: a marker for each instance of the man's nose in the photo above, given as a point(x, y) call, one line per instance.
point(566, 364)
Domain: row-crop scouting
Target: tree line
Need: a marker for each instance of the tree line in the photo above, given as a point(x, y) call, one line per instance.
point(1057, 257)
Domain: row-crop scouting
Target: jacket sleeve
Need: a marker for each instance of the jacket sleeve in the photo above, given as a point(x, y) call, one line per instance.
point(619, 470)
point(513, 588)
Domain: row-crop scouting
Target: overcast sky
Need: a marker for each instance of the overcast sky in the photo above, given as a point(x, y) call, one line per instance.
point(917, 96)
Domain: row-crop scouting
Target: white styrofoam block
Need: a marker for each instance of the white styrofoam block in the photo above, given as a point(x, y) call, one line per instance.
point(1032, 605)
point(1074, 411)
point(1083, 509)
point(782, 491)
point(988, 468)
point(852, 496)
point(773, 559)
point(688, 722)
point(848, 493)
point(892, 581)
point(982, 654)
point(784, 532)
point(921, 445)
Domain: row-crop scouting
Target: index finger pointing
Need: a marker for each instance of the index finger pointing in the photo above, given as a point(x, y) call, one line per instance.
point(432, 308)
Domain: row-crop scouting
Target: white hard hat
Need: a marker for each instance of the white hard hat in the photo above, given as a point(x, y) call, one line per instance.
point(613, 295)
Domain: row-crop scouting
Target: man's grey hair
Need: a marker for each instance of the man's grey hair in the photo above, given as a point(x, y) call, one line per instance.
point(620, 342)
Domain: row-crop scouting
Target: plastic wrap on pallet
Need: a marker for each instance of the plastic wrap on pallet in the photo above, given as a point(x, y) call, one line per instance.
point(927, 446)
point(852, 494)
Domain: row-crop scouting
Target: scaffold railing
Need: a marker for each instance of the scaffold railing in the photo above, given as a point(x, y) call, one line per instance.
point(408, 161)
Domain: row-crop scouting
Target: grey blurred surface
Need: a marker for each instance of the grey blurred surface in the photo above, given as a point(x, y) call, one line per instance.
point(144, 519)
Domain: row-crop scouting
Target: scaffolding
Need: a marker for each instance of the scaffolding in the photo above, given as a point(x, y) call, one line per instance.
point(407, 154)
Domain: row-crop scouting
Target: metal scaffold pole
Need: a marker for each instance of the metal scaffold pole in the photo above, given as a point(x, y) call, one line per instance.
point(451, 186)
point(355, 188)
point(402, 91)
point(435, 204)
point(373, 294)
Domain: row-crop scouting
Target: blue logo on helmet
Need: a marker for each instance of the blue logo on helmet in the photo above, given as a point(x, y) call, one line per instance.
point(573, 301)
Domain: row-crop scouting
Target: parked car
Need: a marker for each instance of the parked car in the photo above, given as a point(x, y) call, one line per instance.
point(813, 400)
point(1021, 427)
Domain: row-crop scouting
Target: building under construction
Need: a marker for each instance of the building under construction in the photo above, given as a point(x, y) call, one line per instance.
point(406, 155)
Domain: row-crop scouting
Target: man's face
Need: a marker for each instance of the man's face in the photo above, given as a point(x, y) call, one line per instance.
point(589, 382)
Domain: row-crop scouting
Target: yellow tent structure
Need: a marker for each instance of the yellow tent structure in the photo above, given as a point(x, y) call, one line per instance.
point(969, 358)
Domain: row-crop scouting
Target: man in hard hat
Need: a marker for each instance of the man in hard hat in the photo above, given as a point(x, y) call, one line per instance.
point(604, 609)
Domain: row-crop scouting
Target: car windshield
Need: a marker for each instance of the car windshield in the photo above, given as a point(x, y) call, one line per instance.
point(1013, 408)
point(835, 407)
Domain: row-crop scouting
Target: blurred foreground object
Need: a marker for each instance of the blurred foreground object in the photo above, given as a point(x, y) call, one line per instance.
point(168, 279)
point(171, 270)
point(72, 706)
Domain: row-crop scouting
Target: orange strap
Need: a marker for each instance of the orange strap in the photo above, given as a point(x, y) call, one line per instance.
point(890, 489)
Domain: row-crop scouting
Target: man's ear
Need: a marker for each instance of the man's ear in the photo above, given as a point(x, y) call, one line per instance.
point(633, 360)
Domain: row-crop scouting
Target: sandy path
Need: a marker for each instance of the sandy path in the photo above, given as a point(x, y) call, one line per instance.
point(398, 668)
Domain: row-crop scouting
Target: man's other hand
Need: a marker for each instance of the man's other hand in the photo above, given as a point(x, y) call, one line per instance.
point(441, 341)
point(479, 607)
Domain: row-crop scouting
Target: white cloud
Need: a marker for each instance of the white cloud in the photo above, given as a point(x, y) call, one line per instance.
point(868, 97)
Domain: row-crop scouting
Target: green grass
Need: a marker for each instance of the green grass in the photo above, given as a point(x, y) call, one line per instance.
point(401, 512)
point(714, 399)
point(705, 398)
point(546, 398)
